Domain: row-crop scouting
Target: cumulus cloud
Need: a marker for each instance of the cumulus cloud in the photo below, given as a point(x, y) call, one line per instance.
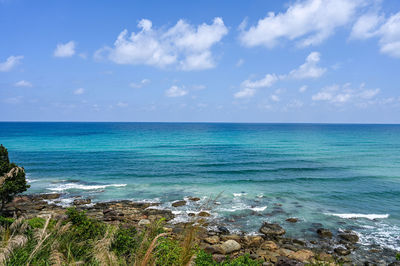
point(184, 45)
point(140, 84)
point(65, 49)
point(310, 68)
point(175, 91)
point(340, 94)
point(79, 91)
point(386, 29)
point(10, 63)
point(307, 22)
point(23, 83)
point(245, 93)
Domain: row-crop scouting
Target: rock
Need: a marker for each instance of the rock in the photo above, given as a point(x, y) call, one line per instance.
point(213, 249)
point(204, 214)
point(230, 237)
point(292, 220)
point(349, 237)
point(223, 230)
point(50, 196)
point(212, 240)
point(269, 245)
point(194, 198)
point(269, 229)
point(302, 255)
point(230, 246)
point(253, 241)
point(167, 214)
point(285, 252)
point(342, 251)
point(191, 214)
point(283, 261)
point(325, 257)
point(144, 222)
point(179, 203)
point(324, 233)
point(82, 201)
point(219, 258)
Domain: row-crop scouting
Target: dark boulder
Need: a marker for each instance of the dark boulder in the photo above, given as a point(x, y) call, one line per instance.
point(269, 229)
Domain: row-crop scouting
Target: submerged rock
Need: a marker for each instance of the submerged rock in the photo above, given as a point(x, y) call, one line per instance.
point(324, 233)
point(194, 198)
point(349, 237)
point(292, 220)
point(269, 229)
point(342, 251)
point(179, 203)
point(204, 214)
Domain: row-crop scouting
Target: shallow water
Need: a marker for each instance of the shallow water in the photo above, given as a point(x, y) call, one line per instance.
point(342, 176)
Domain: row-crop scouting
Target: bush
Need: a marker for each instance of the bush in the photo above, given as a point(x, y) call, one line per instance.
point(125, 242)
point(13, 184)
point(84, 227)
point(398, 256)
point(205, 259)
point(168, 252)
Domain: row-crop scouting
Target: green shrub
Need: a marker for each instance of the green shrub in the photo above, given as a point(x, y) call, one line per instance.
point(13, 184)
point(125, 242)
point(4, 221)
point(168, 252)
point(36, 222)
point(205, 259)
point(398, 256)
point(84, 227)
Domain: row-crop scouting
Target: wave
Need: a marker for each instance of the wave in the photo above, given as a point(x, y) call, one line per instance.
point(68, 186)
point(239, 194)
point(359, 215)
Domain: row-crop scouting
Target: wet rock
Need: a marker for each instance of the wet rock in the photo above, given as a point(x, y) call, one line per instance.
point(144, 222)
point(223, 230)
point(179, 203)
point(342, 251)
point(50, 196)
point(349, 237)
point(303, 255)
point(273, 230)
point(78, 202)
point(269, 245)
point(191, 214)
point(204, 214)
point(212, 240)
point(194, 198)
point(284, 261)
point(292, 220)
point(324, 233)
point(230, 246)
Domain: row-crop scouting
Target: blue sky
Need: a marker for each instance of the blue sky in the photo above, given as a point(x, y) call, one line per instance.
point(329, 61)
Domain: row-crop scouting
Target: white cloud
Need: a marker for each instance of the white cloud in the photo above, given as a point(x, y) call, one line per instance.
point(183, 45)
point(387, 30)
point(175, 91)
point(308, 22)
point(265, 82)
point(79, 91)
point(245, 93)
point(65, 50)
point(140, 84)
point(310, 68)
point(303, 88)
point(122, 104)
point(239, 62)
point(342, 94)
point(366, 26)
point(275, 98)
point(10, 63)
point(23, 83)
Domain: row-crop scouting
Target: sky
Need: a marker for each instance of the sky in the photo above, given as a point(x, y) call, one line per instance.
point(304, 61)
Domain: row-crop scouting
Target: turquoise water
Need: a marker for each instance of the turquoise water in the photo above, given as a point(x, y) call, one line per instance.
point(319, 173)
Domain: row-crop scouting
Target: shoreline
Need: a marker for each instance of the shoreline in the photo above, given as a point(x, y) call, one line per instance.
point(269, 244)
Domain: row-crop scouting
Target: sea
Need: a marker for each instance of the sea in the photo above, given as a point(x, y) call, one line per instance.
point(336, 176)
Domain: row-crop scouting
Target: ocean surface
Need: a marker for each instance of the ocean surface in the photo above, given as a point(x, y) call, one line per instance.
point(340, 176)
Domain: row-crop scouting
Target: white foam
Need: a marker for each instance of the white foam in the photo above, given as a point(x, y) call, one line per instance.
point(259, 209)
point(68, 186)
point(239, 194)
point(31, 180)
point(359, 215)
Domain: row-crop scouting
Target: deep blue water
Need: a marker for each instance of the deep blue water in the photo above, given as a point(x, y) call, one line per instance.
point(320, 173)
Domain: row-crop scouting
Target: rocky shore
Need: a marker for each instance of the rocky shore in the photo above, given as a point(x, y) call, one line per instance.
point(270, 245)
